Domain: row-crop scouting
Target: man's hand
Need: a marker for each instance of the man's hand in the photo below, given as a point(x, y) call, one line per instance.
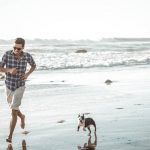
point(24, 77)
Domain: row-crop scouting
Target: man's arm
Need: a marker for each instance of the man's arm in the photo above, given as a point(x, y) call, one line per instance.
point(25, 76)
point(8, 70)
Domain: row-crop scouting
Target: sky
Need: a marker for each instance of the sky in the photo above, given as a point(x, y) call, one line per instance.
point(74, 19)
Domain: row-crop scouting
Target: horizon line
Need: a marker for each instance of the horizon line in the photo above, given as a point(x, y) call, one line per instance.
point(77, 39)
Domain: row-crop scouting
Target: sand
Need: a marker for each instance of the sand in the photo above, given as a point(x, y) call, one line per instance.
point(53, 100)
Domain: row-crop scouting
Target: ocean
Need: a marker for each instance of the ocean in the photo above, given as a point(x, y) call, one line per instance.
point(61, 54)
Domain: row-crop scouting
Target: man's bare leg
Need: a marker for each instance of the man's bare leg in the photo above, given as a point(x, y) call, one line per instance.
point(13, 122)
point(22, 117)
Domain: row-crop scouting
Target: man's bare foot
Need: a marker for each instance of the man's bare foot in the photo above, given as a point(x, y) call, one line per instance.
point(9, 140)
point(23, 122)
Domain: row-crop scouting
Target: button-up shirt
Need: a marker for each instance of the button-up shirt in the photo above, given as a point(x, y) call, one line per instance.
point(10, 61)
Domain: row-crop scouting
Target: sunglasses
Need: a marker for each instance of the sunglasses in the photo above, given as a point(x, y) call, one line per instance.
point(16, 48)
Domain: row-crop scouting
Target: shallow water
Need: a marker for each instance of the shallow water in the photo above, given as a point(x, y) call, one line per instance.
point(121, 110)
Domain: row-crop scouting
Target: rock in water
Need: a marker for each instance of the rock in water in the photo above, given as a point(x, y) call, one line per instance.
point(25, 132)
point(81, 51)
point(61, 121)
point(108, 82)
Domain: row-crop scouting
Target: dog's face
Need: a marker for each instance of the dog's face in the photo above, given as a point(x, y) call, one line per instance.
point(81, 118)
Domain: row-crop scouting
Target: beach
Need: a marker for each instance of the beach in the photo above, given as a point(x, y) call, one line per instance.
point(121, 110)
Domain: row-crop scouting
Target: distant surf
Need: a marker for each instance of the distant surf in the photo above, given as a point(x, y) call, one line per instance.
point(67, 54)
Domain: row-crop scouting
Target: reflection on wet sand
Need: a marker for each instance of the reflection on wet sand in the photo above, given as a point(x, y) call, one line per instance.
point(24, 145)
point(10, 147)
point(89, 145)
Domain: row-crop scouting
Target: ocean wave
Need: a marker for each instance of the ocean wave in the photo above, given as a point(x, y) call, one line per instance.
point(95, 66)
point(91, 59)
point(63, 54)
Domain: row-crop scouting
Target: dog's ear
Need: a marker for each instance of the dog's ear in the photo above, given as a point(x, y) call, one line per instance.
point(78, 115)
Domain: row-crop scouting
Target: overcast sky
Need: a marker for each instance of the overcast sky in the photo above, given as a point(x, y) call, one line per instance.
point(74, 19)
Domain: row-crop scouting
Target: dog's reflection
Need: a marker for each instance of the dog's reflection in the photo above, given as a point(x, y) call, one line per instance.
point(10, 147)
point(89, 145)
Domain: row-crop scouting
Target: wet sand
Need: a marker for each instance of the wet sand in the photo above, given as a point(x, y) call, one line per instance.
point(121, 110)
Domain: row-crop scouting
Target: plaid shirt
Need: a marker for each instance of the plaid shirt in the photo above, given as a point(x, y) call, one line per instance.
point(10, 61)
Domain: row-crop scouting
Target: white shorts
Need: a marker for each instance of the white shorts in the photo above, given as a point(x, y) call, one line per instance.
point(14, 97)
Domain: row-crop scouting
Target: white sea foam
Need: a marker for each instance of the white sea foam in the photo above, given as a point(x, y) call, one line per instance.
point(60, 54)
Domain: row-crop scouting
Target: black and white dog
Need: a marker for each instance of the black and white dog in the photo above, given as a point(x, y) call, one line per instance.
point(86, 123)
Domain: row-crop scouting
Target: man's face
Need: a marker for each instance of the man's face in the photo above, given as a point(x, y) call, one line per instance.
point(17, 49)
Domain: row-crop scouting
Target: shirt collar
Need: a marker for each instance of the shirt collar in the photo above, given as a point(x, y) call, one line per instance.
point(23, 54)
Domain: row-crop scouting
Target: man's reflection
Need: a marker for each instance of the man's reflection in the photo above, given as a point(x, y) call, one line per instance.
point(10, 147)
point(89, 145)
point(24, 145)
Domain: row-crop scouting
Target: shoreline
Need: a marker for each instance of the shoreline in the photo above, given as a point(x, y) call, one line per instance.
point(121, 110)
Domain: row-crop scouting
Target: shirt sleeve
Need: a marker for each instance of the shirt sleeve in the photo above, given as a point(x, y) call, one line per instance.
point(3, 61)
point(30, 60)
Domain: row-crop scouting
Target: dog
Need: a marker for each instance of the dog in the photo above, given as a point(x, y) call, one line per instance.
point(86, 123)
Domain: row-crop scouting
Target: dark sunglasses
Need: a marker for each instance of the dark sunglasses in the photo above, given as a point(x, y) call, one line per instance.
point(16, 48)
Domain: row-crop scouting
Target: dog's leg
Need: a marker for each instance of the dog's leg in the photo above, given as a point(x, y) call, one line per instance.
point(89, 131)
point(95, 127)
point(84, 129)
point(78, 128)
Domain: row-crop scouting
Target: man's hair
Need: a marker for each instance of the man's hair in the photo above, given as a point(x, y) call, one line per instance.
point(20, 41)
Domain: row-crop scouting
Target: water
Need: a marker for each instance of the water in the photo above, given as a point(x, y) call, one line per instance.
point(61, 54)
point(67, 83)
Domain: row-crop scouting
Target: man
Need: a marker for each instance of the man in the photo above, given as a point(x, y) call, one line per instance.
point(14, 64)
